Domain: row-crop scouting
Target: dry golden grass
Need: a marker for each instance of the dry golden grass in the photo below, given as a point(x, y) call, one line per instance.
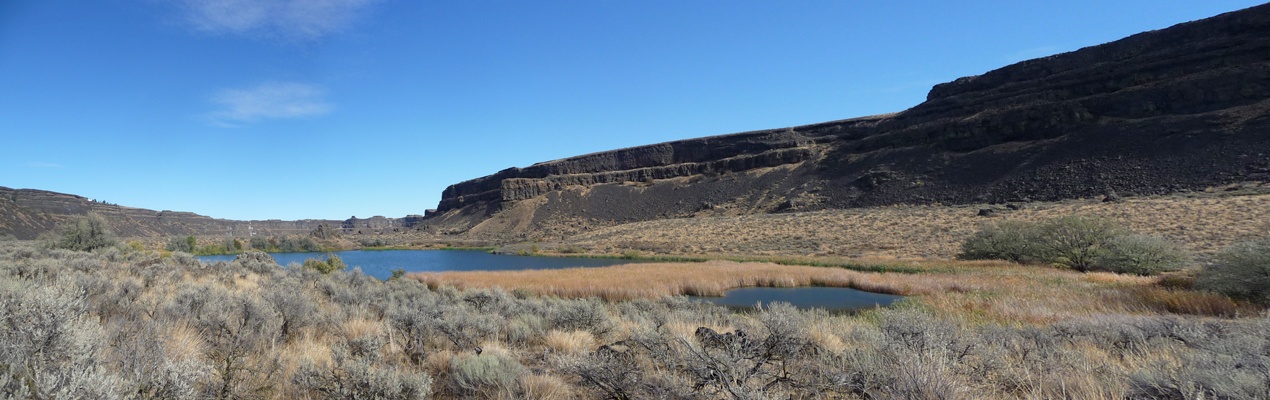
point(711, 278)
point(574, 342)
point(1202, 223)
point(987, 291)
point(355, 328)
point(183, 342)
point(545, 387)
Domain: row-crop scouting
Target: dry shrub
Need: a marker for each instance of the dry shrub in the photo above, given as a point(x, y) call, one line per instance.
point(1177, 280)
point(1165, 300)
point(485, 375)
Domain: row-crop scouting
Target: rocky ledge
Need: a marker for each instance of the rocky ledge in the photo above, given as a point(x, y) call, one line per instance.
point(1180, 108)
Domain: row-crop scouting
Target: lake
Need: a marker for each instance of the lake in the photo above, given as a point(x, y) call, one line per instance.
point(380, 264)
point(829, 298)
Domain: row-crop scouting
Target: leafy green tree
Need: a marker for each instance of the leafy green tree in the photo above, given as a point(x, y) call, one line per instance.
point(84, 233)
point(178, 243)
point(1076, 241)
point(1007, 240)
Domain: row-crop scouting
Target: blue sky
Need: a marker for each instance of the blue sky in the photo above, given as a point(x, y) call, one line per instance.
point(333, 108)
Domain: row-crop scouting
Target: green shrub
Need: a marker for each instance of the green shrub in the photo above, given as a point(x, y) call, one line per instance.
point(48, 347)
point(1007, 240)
point(583, 315)
point(259, 243)
point(485, 373)
point(331, 264)
point(84, 233)
point(397, 274)
point(178, 243)
point(295, 245)
point(1141, 255)
point(1241, 271)
point(192, 242)
point(1075, 241)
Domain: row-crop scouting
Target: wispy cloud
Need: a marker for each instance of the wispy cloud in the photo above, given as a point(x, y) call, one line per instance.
point(271, 100)
point(37, 164)
point(285, 19)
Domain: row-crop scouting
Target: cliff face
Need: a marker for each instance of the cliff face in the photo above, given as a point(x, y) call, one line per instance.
point(1180, 108)
point(25, 213)
point(741, 151)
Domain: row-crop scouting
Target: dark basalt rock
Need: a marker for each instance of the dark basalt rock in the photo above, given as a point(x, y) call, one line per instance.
point(1182, 108)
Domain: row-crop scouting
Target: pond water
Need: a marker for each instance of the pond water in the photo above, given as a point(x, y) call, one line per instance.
point(380, 264)
point(829, 298)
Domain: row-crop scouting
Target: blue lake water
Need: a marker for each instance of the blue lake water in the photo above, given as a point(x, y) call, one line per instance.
point(380, 264)
point(833, 299)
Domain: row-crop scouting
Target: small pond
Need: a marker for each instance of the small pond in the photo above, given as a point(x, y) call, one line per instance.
point(829, 298)
point(380, 264)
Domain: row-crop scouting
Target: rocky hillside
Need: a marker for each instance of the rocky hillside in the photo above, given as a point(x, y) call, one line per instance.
point(1179, 108)
point(25, 213)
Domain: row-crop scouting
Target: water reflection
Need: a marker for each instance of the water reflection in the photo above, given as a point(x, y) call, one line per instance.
point(833, 299)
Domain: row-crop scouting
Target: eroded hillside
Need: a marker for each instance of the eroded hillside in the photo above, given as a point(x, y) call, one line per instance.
point(1183, 108)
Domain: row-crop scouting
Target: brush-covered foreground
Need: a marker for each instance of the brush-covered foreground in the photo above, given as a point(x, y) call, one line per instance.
point(111, 324)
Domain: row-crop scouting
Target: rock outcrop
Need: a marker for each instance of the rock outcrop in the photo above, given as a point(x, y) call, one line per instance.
point(1180, 108)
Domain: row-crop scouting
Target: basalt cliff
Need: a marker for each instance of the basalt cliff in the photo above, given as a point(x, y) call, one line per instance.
point(1181, 108)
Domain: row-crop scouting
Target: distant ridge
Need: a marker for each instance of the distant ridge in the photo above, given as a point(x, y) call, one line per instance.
point(25, 213)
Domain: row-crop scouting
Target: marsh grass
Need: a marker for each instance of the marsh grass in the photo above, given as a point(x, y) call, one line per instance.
point(654, 280)
point(878, 264)
point(977, 290)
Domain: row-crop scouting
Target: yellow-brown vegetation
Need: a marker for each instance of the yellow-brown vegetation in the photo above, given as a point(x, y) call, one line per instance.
point(994, 290)
point(1200, 222)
